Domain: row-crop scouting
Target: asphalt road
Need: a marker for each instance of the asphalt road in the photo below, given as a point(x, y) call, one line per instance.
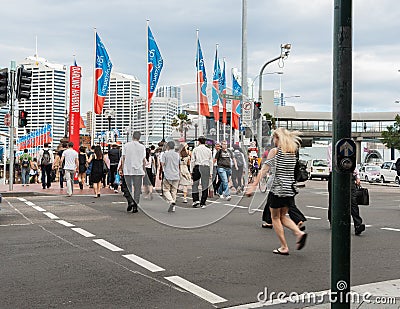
point(81, 252)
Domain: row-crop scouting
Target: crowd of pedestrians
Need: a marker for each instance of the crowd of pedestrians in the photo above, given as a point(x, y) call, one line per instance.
point(134, 168)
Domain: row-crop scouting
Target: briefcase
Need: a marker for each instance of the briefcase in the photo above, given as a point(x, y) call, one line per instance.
point(362, 196)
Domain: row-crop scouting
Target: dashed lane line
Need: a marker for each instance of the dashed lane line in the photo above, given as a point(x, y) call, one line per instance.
point(29, 203)
point(317, 207)
point(196, 290)
point(313, 218)
point(50, 215)
point(38, 208)
point(144, 263)
point(82, 232)
point(21, 199)
point(107, 245)
point(65, 223)
point(390, 229)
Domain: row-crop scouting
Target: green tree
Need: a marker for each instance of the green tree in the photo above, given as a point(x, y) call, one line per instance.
point(182, 123)
point(391, 137)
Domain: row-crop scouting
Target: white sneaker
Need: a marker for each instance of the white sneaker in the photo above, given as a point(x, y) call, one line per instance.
point(185, 200)
point(228, 198)
point(116, 191)
point(203, 206)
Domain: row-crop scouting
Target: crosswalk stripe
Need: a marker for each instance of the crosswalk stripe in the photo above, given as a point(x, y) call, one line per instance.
point(317, 207)
point(144, 263)
point(196, 290)
point(390, 229)
point(107, 245)
point(50, 215)
point(65, 223)
point(82, 232)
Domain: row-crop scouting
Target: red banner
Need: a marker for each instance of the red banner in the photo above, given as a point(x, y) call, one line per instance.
point(75, 105)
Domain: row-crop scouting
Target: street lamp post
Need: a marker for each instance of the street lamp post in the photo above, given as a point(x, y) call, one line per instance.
point(195, 131)
point(163, 129)
point(109, 113)
point(285, 50)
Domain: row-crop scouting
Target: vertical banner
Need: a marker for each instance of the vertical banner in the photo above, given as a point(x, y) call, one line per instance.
point(75, 105)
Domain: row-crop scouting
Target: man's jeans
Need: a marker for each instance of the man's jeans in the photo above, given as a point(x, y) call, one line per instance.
point(69, 178)
point(25, 175)
point(224, 174)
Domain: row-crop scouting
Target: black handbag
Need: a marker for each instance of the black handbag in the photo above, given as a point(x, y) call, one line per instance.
point(362, 196)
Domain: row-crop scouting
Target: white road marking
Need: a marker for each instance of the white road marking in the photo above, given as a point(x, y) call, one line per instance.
point(65, 223)
point(317, 207)
point(50, 215)
point(82, 232)
point(144, 263)
point(313, 218)
point(16, 224)
point(107, 245)
point(21, 199)
point(38, 208)
point(196, 290)
point(118, 202)
point(390, 229)
point(365, 225)
point(237, 206)
point(29, 203)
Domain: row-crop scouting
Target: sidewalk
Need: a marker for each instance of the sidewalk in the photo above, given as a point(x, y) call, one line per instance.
point(37, 190)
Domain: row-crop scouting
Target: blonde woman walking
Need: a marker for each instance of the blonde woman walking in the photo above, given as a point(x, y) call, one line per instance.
point(283, 189)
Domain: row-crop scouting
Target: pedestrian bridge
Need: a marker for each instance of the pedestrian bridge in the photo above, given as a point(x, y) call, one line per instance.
point(318, 125)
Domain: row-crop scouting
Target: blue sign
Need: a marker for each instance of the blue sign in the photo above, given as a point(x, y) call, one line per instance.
point(346, 147)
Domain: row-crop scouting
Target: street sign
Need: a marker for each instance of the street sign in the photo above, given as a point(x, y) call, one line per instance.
point(7, 120)
point(231, 96)
point(247, 115)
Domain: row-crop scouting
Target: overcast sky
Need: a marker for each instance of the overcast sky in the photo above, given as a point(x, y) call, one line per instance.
point(65, 28)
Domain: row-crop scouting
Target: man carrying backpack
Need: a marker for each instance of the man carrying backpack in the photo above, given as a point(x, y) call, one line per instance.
point(46, 159)
point(237, 173)
point(25, 160)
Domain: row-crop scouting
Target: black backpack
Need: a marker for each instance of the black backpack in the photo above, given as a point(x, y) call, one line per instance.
point(46, 158)
point(300, 170)
point(25, 162)
point(239, 158)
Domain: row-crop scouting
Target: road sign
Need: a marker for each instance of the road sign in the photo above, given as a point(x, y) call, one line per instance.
point(7, 120)
point(231, 96)
point(247, 115)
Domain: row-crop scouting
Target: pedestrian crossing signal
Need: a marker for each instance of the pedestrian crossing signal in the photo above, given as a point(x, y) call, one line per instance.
point(22, 118)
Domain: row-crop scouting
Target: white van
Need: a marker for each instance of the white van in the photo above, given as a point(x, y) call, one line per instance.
point(389, 172)
point(318, 169)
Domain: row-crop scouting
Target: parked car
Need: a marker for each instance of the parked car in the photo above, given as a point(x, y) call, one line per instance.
point(318, 168)
point(370, 173)
point(389, 172)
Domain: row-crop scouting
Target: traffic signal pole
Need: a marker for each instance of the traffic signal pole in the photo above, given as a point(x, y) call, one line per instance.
point(341, 192)
point(12, 125)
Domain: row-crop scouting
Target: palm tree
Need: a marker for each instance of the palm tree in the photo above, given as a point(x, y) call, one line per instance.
point(182, 123)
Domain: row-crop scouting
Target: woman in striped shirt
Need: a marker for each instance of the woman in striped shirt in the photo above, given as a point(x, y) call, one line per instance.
point(283, 189)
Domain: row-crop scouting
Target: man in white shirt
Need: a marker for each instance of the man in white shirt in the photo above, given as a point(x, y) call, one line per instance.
point(200, 165)
point(71, 165)
point(170, 163)
point(133, 161)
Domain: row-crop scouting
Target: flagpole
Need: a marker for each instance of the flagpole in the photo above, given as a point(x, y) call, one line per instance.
point(223, 104)
point(231, 129)
point(94, 89)
point(200, 119)
point(217, 122)
point(147, 84)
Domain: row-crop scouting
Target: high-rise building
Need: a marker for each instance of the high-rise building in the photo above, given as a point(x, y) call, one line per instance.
point(47, 104)
point(122, 92)
point(159, 108)
point(171, 92)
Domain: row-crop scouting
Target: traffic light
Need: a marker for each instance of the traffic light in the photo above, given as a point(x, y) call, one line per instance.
point(22, 118)
point(24, 81)
point(257, 110)
point(4, 86)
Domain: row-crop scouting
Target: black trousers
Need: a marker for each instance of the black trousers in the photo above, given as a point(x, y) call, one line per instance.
point(294, 213)
point(237, 177)
point(216, 180)
point(201, 173)
point(125, 190)
point(46, 177)
point(113, 171)
point(354, 210)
